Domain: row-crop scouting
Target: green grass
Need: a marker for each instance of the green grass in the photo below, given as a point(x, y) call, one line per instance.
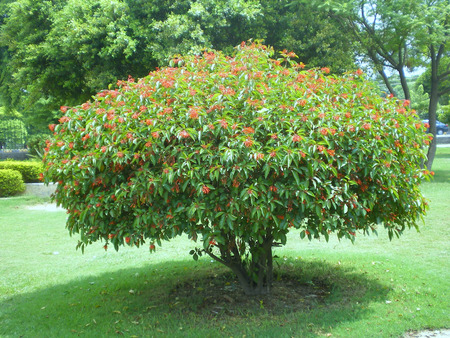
point(377, 288)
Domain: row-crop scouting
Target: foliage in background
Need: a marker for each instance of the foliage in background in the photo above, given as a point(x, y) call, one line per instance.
point(235, 152)
point(11, 182)
point(308, 32)
point(67, 50)
point(36, 144)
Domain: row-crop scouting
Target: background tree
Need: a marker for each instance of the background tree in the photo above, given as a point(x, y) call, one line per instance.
point(67, 50)
point(5, 71)
point(236, 152)
point(192, 26)
point(309, 32)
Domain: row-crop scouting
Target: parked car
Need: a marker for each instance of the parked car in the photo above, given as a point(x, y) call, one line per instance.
point(441, 128)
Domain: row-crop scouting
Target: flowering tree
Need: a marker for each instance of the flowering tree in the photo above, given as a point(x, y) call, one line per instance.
point(235, 152)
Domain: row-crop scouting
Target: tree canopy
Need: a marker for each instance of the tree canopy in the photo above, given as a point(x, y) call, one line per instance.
point(235, 152)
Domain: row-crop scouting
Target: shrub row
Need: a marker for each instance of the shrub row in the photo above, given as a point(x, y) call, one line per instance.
point(11, 182)
point(30, 170)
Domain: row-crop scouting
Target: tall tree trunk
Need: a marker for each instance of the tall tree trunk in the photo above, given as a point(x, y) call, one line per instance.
point(432, 108)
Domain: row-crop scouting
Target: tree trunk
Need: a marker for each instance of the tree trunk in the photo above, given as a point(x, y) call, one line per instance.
point(404, 83)
point(255, 274)
point(432, 110)
point(434, 99)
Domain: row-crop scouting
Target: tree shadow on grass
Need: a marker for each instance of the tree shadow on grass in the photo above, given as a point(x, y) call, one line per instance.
point(193, 299)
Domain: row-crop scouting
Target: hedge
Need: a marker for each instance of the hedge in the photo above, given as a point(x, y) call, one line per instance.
point(11, 182)
point(30, 170)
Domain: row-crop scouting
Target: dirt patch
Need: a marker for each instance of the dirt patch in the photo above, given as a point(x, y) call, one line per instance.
point(222, 295)
point(444, 333)
point(51, 207)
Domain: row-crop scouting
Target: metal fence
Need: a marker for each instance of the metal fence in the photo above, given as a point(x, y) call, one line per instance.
point(13, 134)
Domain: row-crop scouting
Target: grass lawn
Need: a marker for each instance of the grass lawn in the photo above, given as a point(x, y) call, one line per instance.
point(373, 288)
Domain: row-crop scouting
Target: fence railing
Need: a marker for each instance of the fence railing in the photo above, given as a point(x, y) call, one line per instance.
point(13, 134)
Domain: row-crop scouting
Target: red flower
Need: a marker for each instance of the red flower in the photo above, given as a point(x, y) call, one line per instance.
point(320, 148)
point(248, 130)
point(205, 190)
point(248, 142)
point(64, 119)
point(64, 108)
point(193, 113)
point(324, 131)
point(184, 134)
point(367, 126)
point(155, 134)
point(326, 70)
point(223, 123)
point(296, 138)
point(274, 136)
point(273, 154)
point(52, 127)
point(120, 154)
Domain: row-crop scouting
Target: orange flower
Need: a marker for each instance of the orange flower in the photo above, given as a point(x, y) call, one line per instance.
point(193, 113)
point(248, 142)
point(248, 130)
point(205, 189)
point(324, 131)
point(184, 134)
point(296, 138)
point(223, 123)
